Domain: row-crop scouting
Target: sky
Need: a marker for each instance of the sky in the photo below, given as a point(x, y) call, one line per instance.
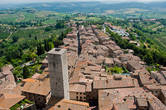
point(33, 1)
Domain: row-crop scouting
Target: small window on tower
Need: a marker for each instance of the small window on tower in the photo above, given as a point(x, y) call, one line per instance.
point(59, 106)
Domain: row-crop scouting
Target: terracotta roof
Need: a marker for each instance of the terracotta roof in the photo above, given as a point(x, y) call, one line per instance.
point(121, 106)
point(130, 101)
point(75, 102)
point(110, 97)
point(163, 68)
point(83, 85)
point(125, 57)
point(77, 87)
point(146, 79)
point(73, 35)
point(36, 75)
point(7, 68)
point(29, 80)
point(66, 47)
point(9, 100)
point(156, 104)
point(113, 47)
point(135, 65)
point(93, 68)
point(15, 90)
point(164, 93)
point(70, 104)
point(159, 77)
point(72, 56)
point(142, 102)
point(152, 87)
point(45, 60)
point(37, 87)
point(112, 84)
point(108, 61)
point(164, 74)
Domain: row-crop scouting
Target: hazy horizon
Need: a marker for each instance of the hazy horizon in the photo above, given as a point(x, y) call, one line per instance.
point(104, 1)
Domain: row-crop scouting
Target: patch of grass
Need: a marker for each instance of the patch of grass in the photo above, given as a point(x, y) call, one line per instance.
point(50, 21)
point(114, 70)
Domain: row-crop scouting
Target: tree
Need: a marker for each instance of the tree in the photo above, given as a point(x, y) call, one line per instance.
point(13, 52)
point(116, 70)
point(36, 38)
point(57, 43)
point(46, 45)
point(40, 49)
point(30, 35)
point(15, 38)
point(148, 58)
point(50, 45)
point(1, 63)
point(26, 72)
point(61, 36)
point(48, 29)
point(60, 24)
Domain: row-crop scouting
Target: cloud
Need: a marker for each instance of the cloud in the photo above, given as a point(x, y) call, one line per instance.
point(33, 1)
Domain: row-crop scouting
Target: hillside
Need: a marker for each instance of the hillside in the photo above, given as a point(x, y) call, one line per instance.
point(149, 10)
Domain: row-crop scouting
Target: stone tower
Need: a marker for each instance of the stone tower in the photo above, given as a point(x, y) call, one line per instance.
point(58, 69)
point(79, 44)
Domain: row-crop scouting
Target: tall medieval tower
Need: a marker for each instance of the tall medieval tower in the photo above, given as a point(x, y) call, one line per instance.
point(58, 69)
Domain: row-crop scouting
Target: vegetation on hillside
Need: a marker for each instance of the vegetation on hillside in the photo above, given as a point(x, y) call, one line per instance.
point(150, 56)
point(25, 46)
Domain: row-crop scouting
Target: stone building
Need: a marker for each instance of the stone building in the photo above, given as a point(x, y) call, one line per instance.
point(37, 91)
point(78, 92)
point(58, 69)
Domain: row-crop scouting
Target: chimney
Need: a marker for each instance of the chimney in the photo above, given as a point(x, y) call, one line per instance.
point(58, 69)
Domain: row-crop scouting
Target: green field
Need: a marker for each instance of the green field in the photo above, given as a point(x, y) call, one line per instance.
point(46, 17)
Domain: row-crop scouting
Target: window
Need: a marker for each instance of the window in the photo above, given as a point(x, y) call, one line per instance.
point(59, 106)
point(77, 97)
